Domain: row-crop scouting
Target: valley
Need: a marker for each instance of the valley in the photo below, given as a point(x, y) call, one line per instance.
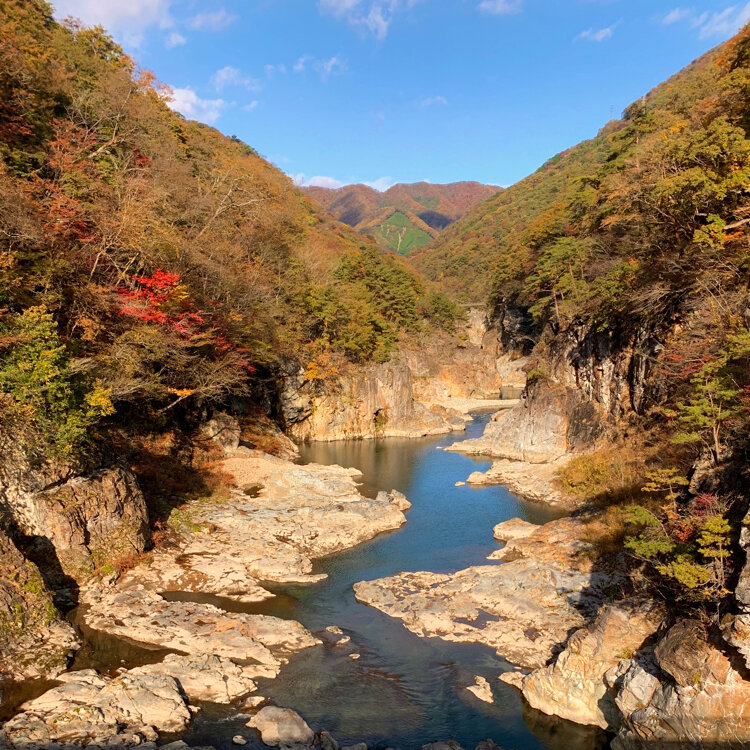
point(441, 467)
point(402, 218)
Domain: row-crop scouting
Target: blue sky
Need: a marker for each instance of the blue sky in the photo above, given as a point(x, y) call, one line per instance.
point(383, 91)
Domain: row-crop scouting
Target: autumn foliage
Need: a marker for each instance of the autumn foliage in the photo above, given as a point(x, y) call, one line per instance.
point(175, 266)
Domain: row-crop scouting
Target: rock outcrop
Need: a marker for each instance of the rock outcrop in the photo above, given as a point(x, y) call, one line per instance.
point(192, 628)
point(532, 481)
point(205, 677)
point(74, 523)
point(551, 422)
point(696, 699)
point(89, 709)
point(270, 527)
point(525, 609)
point(229, 546)
point(34, 641)
point(372, 401)
point(411, 397)
point(575, 686)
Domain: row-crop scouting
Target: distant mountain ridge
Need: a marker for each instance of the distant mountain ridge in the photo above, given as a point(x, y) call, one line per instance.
point(406, 216)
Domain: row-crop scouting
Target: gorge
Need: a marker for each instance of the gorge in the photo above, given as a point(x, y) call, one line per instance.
point(265, 482)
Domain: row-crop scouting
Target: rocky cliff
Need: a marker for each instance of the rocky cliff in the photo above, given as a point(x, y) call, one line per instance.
point(72, 522)
point(34, 641)
point(418, 392)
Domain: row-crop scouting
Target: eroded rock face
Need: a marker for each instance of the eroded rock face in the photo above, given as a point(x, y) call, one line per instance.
point(79, 521)
point(574, 687)
point(34, 641)
point(281, 726)
point(705, 704)
point(551, 422)
point(737, 628)
point(524, 609)
point(607, 367)
point(372, 401)
point(90, 709)
point(93, 520)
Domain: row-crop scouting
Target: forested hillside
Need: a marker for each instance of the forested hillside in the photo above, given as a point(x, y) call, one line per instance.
point(148, 262)
point(676, 160)
point(406, 216)
point(623, 267)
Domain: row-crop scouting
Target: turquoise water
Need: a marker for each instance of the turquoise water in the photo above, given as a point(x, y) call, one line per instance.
point(403, 691)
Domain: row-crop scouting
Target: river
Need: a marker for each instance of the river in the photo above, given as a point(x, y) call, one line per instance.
point(403, 691)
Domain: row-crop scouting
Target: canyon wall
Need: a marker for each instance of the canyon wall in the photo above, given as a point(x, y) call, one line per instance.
point(420, 392)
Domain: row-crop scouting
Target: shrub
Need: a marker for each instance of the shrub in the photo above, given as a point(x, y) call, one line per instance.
point(605, 474)
point(40, 389)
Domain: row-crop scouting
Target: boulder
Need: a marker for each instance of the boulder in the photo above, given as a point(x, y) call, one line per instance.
point(204, 677)
point(396, 498)
point(513, 528)
point(224, 430)
point(281, 726)
point(88, 708)
point(327, 742)
point(481, 689)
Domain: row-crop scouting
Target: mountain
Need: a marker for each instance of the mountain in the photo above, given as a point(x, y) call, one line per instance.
point(406, 216)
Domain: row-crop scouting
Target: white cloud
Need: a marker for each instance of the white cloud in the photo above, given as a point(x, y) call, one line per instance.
point(676, 15)
point(175, 39)
point(271, 70)
point(128, 20)
point(597, 35)
point(211, 20)
point(373, 16)
point(301, 179)
point(325, 68)
point(229, 77)
point(500, 7)
point(719, 24)
point(725, 23)
point(433, 100)
point(188, 103)
point(327, 182)
point(250, 107)
point(381, 184)
point(301, 64)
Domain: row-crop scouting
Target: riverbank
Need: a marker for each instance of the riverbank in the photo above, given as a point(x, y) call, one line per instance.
point(373, 681)
point(274, 520)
